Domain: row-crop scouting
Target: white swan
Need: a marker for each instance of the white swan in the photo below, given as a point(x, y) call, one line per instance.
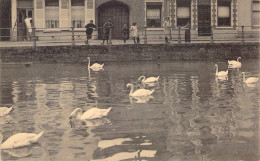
point(221, 73)
point(95, 66)
point(93, 113)
point(148, 80)
point(21, 140)
point(249, 80)
point(233, 62)
point(139, 92)
point(5, 110)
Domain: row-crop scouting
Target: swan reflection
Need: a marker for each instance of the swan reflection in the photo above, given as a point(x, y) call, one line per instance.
point(140, 99)
point(20, 152)
point(109, 143)
point(130, 155)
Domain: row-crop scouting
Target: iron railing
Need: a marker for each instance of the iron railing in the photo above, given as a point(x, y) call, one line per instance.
point(241, 34)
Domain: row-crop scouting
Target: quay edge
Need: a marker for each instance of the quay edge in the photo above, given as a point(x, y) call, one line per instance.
point(140, 52)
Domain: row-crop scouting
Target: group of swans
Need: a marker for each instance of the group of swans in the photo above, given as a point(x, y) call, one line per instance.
point(20, 139)
point(142, 92)
point(235, 64)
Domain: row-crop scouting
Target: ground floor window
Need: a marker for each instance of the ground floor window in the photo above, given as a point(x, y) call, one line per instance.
point(52, 17)
point(256, 13)
point(224, 12)
point(78, 16)
point(183, 12)
point(154, 14)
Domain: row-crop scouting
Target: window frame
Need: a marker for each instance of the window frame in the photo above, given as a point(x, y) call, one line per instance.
point(180, 4)
point(255, 11)
point(224, 21)
point(154, 5)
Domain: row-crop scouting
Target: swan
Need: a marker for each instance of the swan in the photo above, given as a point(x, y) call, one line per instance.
point(95, 66)
point(148, 80)
point(139, 92)
point(93, 113)
point(221, 73)
point(5, 110)
point(234, 63)
point(249, 80)
point(21, 140)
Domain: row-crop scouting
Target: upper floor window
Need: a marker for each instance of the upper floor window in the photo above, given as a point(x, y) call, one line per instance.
point(77, 3)
point(183, 12)
point(224, 12)
point(153, 14)
point(256, 13)
point(54, 3)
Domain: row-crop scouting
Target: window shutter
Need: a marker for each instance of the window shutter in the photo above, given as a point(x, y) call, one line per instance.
point(64, 13)
point(39, 14)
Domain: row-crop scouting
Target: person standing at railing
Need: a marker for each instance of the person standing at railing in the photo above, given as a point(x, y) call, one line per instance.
point(89, 30)
point(187, 32)
point(167, 28)
point(134, 32)
point(125, 32)
point(106, 29)
point(28, 25)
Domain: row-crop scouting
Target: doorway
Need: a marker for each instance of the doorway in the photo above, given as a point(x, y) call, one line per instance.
point(21, 28)
point(118, 13)
point(204, 18)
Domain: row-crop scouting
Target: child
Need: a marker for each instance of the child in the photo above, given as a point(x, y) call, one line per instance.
point(89, 30)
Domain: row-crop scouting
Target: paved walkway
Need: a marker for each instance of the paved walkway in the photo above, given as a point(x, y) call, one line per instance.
point(98, 42)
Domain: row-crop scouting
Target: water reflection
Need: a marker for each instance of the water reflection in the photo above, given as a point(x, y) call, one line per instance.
point(192, 115)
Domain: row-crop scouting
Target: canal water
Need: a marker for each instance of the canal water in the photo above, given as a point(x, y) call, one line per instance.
point(191, 116)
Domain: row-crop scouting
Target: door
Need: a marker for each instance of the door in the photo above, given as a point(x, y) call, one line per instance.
point(118, 13)
point(204, 18)
point(21, 28)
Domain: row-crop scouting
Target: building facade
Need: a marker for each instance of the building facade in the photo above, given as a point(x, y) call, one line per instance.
point(54, 18)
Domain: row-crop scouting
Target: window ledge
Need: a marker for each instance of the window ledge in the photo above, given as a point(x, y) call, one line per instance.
point(154, 29)
point(52, 30)
point(224, 27)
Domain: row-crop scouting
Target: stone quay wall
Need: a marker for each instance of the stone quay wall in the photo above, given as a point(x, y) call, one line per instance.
point(140, 52)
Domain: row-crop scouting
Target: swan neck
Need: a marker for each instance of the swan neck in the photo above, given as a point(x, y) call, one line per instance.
point(79, 114)
point(88, 62)
point(216, 69)
point(132, 89)
point(244, 78)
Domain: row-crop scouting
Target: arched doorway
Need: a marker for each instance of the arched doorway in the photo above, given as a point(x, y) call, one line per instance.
point(118, 13)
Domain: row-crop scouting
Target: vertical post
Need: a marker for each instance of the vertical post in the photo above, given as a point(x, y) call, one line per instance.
point(170, 33)
point(243, 35)
point(73, 38)
point(179, 35)
point(145, 35)
point(110, 35)
point(34, 37)
point(211, 36)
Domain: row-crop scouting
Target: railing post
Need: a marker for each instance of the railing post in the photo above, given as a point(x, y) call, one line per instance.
point(110, 35)
point(211, 36)
point(243, 35)
point(145, 35)
point(170, 33)
point(73, 36)
point(179, 35)
point(34, 38)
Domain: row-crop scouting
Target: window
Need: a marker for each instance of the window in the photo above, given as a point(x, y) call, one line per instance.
point(256, 13)
point(224, 12)
point(153, 14)
point(183, 12)
point(52, 13)
point(77, 13)
point(52, 3)
point(64, 4)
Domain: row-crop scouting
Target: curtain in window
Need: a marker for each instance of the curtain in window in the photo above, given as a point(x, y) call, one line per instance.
point(153, 13)
point(183, 12)
point(52, 13)
point(223, 12)
point(78, 16)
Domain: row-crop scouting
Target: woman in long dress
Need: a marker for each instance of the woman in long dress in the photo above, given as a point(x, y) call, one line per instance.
point(187, 32)
point(134, 31)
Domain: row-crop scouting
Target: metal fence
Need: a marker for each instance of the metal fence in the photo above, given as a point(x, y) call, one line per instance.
point(241, 35)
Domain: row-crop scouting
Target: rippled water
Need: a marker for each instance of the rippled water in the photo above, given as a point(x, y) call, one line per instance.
point(191, 116)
